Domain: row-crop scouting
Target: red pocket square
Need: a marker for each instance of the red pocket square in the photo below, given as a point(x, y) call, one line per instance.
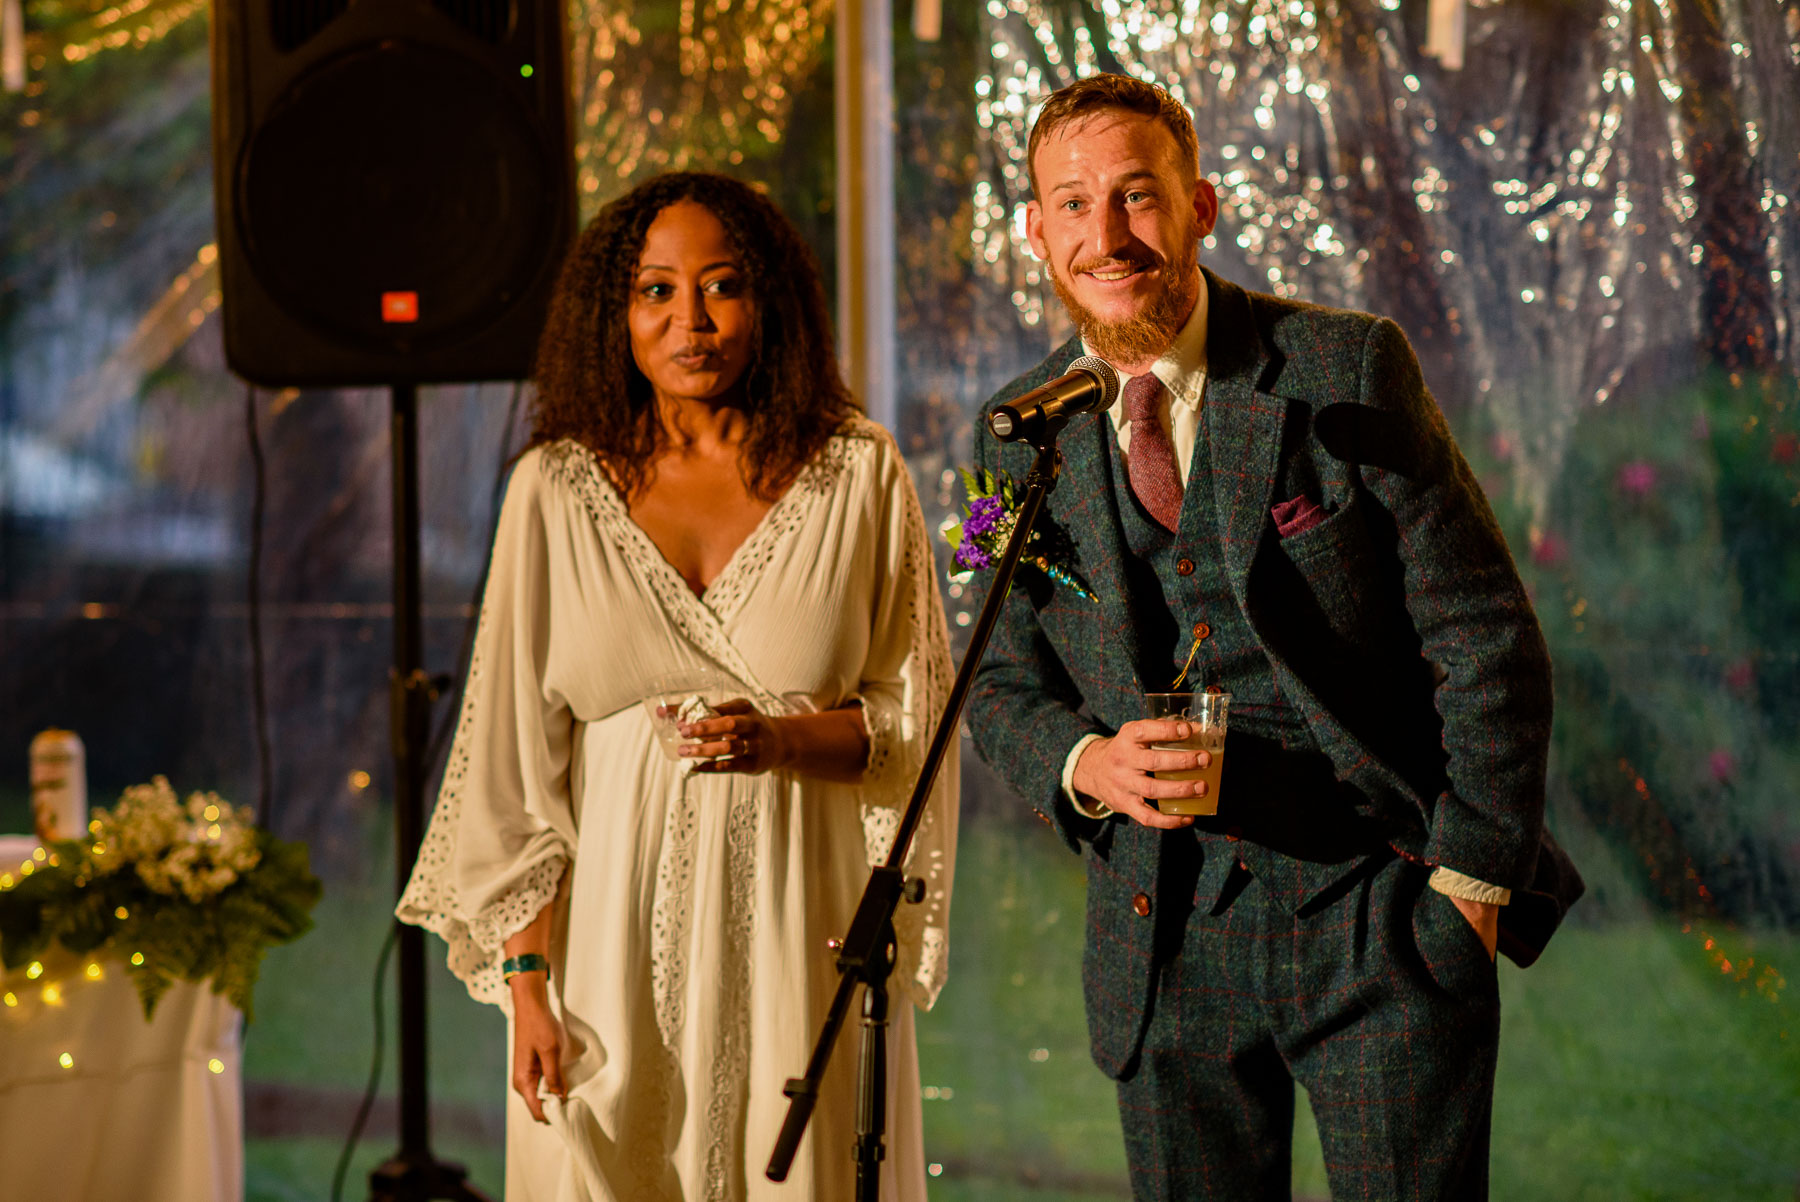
point(1296, 516)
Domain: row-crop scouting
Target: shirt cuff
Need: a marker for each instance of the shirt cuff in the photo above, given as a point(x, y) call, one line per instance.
point(1452, 883)
point(1087, 807)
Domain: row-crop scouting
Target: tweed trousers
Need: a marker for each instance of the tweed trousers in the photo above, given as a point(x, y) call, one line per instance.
point(1376, 997)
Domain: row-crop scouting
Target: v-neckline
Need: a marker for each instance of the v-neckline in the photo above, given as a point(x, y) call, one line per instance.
point(730, 560)
point(660, 560)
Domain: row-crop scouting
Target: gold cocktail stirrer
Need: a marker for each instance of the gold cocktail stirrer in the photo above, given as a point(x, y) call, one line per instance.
point(1192, 652)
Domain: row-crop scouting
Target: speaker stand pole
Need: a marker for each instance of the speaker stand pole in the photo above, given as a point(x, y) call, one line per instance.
point(412, 1174)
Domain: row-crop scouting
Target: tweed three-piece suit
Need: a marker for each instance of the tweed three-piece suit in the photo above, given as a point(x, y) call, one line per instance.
point(1391, 714)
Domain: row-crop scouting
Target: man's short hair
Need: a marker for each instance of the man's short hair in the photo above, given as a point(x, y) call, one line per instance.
point(1097, 93)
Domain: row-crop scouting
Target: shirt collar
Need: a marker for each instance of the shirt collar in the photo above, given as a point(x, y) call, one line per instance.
point(1182, 368)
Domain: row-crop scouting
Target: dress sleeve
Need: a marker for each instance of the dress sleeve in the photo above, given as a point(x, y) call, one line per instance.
point(904, 686)
point(503, 830)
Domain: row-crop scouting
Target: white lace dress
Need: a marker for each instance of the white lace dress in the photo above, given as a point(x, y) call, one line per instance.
point(689, 956)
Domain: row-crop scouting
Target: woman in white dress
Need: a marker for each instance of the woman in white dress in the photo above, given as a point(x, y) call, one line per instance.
point(701, 494)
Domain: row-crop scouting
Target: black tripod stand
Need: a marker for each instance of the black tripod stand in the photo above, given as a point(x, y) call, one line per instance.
point(411, 1174)
point(866, 956)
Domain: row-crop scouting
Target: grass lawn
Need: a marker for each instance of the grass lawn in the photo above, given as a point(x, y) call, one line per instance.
point(1637, 1063)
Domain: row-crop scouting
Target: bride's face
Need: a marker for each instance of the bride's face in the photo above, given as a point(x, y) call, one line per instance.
point(692, 318)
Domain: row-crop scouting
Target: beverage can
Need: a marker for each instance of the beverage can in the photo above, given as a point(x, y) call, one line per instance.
point(58, 785)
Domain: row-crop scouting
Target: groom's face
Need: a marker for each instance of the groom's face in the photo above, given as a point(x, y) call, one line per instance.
point(1118, 222)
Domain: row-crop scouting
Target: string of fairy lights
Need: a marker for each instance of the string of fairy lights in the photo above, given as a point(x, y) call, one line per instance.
point(74, 33)
point(740, 62)
point(53, 982)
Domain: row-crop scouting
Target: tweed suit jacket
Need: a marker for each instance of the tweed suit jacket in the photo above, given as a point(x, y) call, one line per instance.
point(1397, 626)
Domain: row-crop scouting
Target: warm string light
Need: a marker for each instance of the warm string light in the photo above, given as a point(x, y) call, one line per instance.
point(132, 25)
point(52, 991)
point(1314, 120)
point(53, 994)
point(1690, 893)
point(740, 63)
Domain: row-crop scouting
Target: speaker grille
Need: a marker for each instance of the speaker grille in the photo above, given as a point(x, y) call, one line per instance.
point(293, 22)
point(489, 20)
point(403, 168)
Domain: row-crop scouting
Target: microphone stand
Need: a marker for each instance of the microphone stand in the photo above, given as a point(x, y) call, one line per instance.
point(866, 953)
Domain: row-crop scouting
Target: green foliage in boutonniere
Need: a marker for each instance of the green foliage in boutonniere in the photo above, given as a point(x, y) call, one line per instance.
point(190, 891)
point(988, 521)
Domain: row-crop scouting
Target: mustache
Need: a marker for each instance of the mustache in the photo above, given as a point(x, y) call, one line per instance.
point(1115, 263)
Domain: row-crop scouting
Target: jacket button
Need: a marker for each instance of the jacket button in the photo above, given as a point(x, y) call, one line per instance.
point(1202, 630)
point(1184, 567)
point(1234, 833)
point(1215, 688)
point(1141, 903)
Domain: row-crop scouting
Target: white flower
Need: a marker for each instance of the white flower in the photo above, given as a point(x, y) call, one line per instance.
point(196, 849)
point(145, 822)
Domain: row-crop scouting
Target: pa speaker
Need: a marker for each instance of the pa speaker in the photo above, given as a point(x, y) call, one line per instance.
point(394, 186)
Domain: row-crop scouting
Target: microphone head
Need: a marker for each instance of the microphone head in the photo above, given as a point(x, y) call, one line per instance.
point(1089, 386)
point(1102, 371)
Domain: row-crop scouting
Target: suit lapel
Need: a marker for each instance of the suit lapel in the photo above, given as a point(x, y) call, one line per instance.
point(1085, 504)
point(1088, 506)
point(1242, 426)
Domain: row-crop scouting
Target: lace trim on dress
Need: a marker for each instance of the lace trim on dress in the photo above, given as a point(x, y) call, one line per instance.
point(731, 1057)
point(895, 757)
point(431, 900)
point(815, 482)
point(671, 913)
point(701, 618)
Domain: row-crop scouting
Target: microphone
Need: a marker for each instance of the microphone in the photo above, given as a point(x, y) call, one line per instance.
point(1090, 386)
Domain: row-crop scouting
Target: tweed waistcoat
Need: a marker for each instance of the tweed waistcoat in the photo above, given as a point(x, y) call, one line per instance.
point(1174, 608)
point(1283, 805)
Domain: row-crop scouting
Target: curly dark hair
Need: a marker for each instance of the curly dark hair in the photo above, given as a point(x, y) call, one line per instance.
point(590, 389)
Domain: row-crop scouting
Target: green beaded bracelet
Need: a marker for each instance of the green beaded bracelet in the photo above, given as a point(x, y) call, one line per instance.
point(529, 962)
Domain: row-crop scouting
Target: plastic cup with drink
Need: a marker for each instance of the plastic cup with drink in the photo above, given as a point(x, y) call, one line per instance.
point(1205, 714)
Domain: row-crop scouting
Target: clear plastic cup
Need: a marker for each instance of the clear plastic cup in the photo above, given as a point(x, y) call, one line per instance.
point(1206, 713)
point(669, 693)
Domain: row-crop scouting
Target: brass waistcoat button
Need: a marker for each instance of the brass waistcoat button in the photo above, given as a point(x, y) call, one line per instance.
point(1141, 903)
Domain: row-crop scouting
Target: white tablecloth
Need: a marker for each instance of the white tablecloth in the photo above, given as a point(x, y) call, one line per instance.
point(139, 1111)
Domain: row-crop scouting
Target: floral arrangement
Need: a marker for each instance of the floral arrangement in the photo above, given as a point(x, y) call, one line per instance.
point(987, 524)
point(189, 891)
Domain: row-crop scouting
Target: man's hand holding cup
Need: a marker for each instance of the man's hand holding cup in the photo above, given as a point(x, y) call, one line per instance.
point(1116, 771)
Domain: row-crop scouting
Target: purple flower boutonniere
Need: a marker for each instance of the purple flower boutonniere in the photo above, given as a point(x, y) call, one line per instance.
point(988, 521)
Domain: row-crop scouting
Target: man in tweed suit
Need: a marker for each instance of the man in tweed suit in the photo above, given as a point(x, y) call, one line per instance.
point(1278, 495)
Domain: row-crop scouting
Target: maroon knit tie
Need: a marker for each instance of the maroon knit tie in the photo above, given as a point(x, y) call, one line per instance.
point(1151, 461)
